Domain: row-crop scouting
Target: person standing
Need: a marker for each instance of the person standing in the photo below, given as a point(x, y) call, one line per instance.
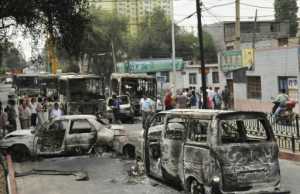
point(56, 112)
point(40, 112)
point(146, 108)
point(12, 115)
point(168, 101)
point(159, 106)
point(226, 97)
point(3, 121)
point(24, 114)
point(33, 107)
point(217, 99)
point(193, 100)
point(115, 106)
point(181, 100)
point(199, 100)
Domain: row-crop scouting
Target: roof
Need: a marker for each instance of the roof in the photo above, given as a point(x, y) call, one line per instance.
point(208, 113)
point(70, 117)
point(131, 75)
point(195, 112)
point(78, 76)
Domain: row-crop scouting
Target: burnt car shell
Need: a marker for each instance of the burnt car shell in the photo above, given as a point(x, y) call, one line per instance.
point(199, 149)
point(250, 165)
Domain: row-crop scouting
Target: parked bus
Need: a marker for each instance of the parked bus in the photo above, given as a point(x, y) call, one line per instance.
point(134, 86)
point(81, 94)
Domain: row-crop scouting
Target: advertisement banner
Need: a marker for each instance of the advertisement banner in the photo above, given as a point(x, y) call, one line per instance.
point(236, 59)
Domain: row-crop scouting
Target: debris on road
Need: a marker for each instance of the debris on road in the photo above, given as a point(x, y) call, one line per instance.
point(79, 175)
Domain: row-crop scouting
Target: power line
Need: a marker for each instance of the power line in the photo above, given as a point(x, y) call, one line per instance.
point(189, 16)
point(256, 6)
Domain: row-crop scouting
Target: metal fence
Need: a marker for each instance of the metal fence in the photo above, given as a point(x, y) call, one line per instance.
point(287, 135)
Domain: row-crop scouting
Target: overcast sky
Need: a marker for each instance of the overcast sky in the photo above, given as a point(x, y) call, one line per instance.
point(215, 13)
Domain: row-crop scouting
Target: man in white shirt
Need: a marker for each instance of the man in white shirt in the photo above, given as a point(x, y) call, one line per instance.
point(56, 111)
point(146, 108)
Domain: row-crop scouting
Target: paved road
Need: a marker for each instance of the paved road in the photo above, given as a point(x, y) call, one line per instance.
point(110, 176)
point(107, 176)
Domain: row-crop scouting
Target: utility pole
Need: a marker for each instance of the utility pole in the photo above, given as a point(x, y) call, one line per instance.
point(200, 37)
point(173, 49)
point(254, 31)
point(113, 56)
point(237, 25)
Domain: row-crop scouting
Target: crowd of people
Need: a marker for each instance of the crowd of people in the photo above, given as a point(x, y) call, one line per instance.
point(29, 112)
point(189, 98)
point(186, 99)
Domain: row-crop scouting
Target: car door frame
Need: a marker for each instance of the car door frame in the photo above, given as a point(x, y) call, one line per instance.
point(169, 160)
point(192, 169)
point(37, 150)
point(76, 141)
point(146, 143)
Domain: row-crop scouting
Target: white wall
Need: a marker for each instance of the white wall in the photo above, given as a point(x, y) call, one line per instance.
point(269, 65)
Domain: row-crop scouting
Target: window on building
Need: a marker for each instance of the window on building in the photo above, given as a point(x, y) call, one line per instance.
point(166, 75)
point(215, 77)
point(254, 87)
point(192, 78)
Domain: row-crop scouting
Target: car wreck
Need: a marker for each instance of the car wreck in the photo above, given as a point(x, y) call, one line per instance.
point(67, 135)
point(213, 152)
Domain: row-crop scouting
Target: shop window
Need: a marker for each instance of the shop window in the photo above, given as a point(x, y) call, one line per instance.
point(193, 78)
point(254, 87)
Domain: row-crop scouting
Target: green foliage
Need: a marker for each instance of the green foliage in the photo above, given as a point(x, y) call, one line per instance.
point(154, 40)
point(286, 10)
point(10, 56)
point(65, 19)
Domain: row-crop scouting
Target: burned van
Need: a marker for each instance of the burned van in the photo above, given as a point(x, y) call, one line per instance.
point(213, 152)
point(81, 94)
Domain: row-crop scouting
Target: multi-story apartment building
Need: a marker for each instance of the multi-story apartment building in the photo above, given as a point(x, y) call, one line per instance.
point(134, 10)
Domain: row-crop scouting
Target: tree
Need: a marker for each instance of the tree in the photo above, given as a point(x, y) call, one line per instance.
point(286, 10)
point(64, 19)
point(154, 40)
point(103, 31)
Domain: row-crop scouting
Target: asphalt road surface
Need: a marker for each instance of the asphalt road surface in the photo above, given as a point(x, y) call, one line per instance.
point(109, 175)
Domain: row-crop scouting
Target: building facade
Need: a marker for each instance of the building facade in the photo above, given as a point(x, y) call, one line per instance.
point(268, 33)
point(274, 69)
point(134, 10)
point(188, 75)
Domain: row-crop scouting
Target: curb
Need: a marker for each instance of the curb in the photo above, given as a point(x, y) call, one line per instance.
point(289, 156)
point(12, 184)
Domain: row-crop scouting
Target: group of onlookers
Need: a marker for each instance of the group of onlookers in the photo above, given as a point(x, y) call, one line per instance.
point(189, 98)
point(30, 112)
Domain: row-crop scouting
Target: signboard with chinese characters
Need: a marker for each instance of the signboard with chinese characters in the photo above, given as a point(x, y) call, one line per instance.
point(236, 59)
point(146, 66)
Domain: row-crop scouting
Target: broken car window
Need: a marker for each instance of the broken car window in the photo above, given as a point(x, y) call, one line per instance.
point(80, 126)
point(59, 125)
point(242, 131)
point(198, 130)
point(175, 129)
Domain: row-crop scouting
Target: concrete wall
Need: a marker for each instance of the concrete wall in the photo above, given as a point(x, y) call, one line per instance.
point(269, 65)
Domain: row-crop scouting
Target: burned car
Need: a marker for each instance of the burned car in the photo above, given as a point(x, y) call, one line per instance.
point(126, 112)
point(206, 151)
point(70, 134)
